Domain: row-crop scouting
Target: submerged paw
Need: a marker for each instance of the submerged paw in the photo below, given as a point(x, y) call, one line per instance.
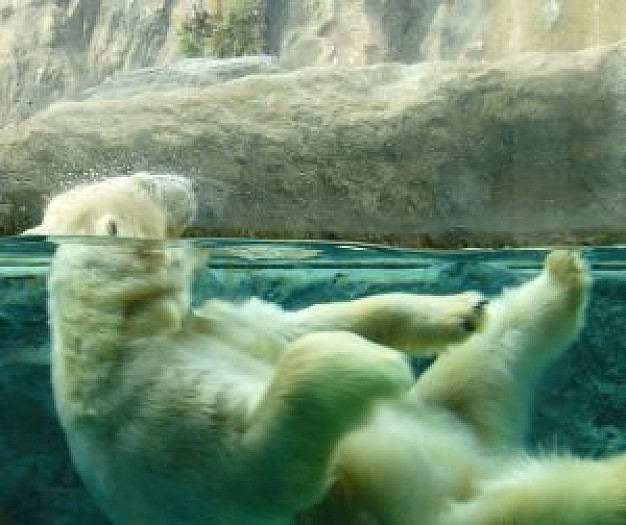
point(475, 319)
point(460, 316)
point(471, 317)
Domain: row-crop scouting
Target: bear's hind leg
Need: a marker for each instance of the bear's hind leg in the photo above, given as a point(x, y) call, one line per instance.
point(486, 381)
point(323, 388)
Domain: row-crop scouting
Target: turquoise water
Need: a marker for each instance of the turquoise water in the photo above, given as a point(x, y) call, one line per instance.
point(580, 405)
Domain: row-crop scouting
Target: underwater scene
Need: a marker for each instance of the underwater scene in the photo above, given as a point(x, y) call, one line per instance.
point(578, 407)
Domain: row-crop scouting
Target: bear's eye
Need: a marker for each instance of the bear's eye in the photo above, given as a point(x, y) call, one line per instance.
point(112, 228)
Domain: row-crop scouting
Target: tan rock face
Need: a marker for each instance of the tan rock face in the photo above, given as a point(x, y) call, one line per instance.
point(552, 25)
point(351, 32)
point(531, 145)
point(50, 49)
point(328, 32)
point(355, 32)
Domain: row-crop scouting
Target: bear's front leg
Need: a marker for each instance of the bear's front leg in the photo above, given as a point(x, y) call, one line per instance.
point(409, 322)
point(323, 388)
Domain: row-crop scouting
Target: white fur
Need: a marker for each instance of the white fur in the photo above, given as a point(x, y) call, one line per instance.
point(251, 415)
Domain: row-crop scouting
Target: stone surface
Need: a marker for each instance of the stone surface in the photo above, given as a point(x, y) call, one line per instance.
point(53, 48)
point(307, 32)
point(185, 73)
point(524, 150)
point(551, 25)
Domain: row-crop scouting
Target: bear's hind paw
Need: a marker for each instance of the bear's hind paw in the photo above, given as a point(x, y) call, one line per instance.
point(567, 267)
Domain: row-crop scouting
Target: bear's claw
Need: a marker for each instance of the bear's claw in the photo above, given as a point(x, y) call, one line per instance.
point(475, 318)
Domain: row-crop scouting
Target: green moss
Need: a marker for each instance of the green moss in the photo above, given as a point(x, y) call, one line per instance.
point(239, 31)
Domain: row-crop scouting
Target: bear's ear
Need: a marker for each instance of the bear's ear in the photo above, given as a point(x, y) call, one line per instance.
point(174, 194)
point(36, 230)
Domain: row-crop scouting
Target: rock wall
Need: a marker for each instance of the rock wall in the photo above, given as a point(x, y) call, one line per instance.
point(455, 150)
point(552, 25)
point(307, 32)
point(523, 151)
point(356, 32)
point(52, 48)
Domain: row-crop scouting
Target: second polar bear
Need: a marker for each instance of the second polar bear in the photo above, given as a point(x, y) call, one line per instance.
point(246, 414)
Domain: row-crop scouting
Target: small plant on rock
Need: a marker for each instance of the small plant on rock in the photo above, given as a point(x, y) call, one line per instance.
point(235, 28)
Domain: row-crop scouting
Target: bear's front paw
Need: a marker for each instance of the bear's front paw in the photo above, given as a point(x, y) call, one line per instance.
point(567, 268)
point(471, 314)
point(453, 318)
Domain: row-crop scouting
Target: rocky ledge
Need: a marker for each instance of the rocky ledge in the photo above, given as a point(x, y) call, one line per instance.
point(524, 150)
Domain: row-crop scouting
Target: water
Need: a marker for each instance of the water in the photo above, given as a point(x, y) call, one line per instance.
point(580, 405)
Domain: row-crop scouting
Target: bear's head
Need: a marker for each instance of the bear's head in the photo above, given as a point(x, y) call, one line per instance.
point(143, 205)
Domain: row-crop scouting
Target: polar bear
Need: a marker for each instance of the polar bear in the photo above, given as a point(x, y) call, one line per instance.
point(247, 414)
